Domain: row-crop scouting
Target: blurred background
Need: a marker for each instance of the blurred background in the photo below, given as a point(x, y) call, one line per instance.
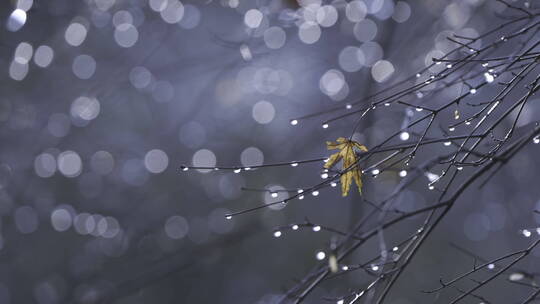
point(102, 101)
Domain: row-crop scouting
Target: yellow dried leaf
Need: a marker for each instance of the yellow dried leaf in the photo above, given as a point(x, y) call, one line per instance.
point(348, 157)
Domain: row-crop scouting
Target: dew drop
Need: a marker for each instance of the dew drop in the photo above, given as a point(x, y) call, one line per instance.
point(489, 78)
point(404, 136)
point(517, 276)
